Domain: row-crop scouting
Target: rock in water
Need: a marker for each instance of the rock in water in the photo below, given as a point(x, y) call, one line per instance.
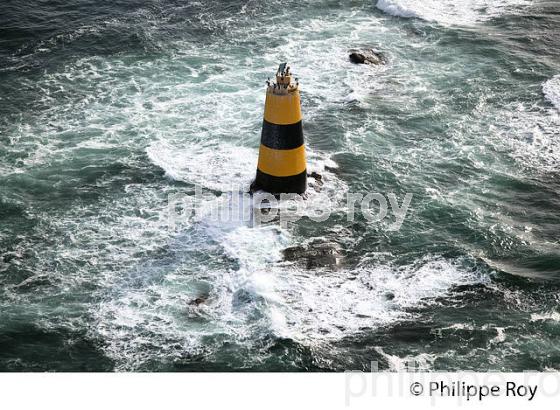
point(199, 300)
point(367, 56)
point(315, 181)
point(315, 254)
point(357, 58)
point(316, 176)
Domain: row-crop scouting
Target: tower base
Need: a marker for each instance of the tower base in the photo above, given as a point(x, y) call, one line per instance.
point(295, 184)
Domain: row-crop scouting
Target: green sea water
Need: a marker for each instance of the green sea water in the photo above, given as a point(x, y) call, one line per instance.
point(109, 108)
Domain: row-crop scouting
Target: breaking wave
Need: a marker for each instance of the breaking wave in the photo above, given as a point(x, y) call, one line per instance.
point(551, 90)
point(450, 12)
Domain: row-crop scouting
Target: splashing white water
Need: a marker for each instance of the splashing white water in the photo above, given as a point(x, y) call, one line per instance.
point(551, 90)
point(421, 362)
point(552, 316)
point(215, 167)
point(450, 12)
point(330, 305)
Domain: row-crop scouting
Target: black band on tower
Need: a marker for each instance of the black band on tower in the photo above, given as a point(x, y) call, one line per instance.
point(277, 185)
point(282, 136)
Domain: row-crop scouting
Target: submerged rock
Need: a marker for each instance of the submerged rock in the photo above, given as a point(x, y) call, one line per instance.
point(314, 254)
point(315, 181)
point(367, 56)
point(199, 300)
point(316, 176)
point(389, 296)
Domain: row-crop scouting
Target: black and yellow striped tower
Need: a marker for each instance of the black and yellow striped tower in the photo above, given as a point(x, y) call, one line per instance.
point(282, 167)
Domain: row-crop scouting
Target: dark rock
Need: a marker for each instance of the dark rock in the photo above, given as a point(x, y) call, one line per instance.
point(293, 253)
point(315, 181)
point(8, 257)
point(367, 56)
point(316, 176)
point(357, 58)
point(314, 254)
point(389, 296)
point(198, 301)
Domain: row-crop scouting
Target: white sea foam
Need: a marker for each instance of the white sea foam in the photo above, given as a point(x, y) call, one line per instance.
point(421, 362)
point(257, 294)
point(552, 316)
point(450, 12)
point(551, 90)
point(500, 336)
point(227, 168)
point(216, 167)
point(532, 136)
point(330, 305)
point(395, 8)
point(309, 307)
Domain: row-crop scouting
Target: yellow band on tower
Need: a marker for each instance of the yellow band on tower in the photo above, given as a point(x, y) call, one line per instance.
point(282, 162)
point(282, 109)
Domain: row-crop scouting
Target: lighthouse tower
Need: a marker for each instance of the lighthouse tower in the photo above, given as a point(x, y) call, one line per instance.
point(282, 166)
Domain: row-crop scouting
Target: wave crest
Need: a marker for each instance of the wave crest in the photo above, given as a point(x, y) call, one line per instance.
point(551, 90)
point(449, 12)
